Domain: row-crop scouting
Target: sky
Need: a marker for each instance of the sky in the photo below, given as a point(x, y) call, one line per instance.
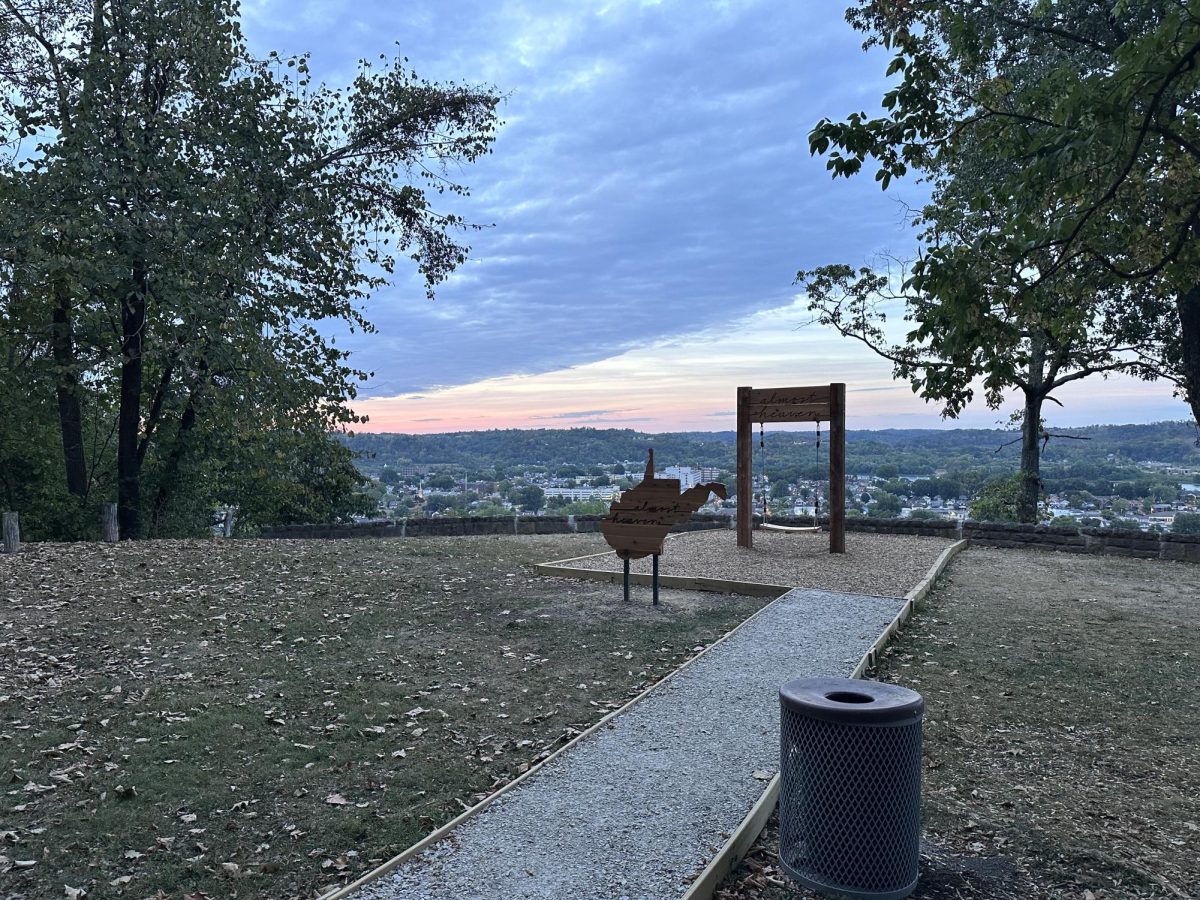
point(648, 202)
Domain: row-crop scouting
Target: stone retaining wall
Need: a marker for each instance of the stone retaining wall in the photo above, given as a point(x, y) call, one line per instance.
point(445, 527)
point(989, 534)
point(1038, 537)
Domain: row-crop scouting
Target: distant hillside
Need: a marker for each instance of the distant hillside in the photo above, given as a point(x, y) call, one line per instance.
point(910, 451)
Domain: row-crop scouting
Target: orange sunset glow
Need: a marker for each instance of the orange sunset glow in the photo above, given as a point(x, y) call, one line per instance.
point(687, 383)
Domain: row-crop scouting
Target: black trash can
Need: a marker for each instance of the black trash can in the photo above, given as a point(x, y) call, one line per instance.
point(850, 786)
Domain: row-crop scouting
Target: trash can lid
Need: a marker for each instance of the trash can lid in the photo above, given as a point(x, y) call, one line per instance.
point(851, 700)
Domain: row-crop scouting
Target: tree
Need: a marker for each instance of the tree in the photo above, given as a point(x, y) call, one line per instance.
point(1126, 524)
point(490, 509)
point(1032, 323)
point(1084, 117)
point(188, 214)
point(951, 347)
point(885, 506)
point(584, 508)
point(529, 497)
point(1186, 523)
point(389, 476)
point(274, 476)
point(1001, 500)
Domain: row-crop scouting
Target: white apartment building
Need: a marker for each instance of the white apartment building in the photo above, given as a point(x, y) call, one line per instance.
point(582, 493)
point(689, 476)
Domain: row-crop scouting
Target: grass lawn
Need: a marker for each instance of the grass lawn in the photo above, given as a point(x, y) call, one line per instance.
point(271, 718)
point(1062, 730)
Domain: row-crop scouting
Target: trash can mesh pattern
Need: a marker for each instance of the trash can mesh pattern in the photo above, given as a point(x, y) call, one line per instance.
point(850, 804)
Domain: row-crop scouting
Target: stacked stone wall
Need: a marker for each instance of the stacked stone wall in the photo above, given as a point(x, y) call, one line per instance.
point(472, 525)
point(1107, 542)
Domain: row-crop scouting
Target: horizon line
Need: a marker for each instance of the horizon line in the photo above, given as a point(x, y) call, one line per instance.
point(1009, 430)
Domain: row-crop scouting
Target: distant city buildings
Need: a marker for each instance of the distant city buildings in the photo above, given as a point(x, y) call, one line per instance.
point(413, 471)
point(582, 493)
point(690, 476)
point(460, 491)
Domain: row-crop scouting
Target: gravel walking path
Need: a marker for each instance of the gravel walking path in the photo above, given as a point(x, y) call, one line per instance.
point(879, 564)
point(637, 809)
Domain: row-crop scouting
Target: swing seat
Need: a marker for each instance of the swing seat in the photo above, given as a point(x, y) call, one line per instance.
point(789, 528)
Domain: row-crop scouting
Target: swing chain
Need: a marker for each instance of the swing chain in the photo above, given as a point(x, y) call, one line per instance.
point(762, 446)
point(816, 496)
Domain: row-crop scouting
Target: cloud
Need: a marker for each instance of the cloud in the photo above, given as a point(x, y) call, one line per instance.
point(653, 176)
point(685, 382)
point(649, 201)
point(584, 414)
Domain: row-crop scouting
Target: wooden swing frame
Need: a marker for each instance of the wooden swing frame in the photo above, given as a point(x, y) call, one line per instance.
point(819, 403)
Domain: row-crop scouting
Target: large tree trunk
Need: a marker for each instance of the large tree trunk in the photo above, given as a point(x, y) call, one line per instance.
point(133, 321)
point(1188, 304)
point(1031, 431)
point(1031, 459)
point(174, 461)
point(70, 412)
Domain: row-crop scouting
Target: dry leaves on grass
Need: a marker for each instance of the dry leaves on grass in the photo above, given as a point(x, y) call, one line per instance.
point(272, 705)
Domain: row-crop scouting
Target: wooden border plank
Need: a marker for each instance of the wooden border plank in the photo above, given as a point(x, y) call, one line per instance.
point(738, 845)
point(437, 835)
point(679, 582)
point(739, 842)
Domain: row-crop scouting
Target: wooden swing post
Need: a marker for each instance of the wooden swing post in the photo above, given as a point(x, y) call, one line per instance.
point(837, 468)
point(745, 473)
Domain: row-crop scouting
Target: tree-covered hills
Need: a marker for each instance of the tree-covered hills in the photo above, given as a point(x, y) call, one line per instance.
point(908, 451)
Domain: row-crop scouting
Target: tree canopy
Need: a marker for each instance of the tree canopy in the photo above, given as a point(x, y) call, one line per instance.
point(1084, 116)
point(179, 219)
point(1053, 246)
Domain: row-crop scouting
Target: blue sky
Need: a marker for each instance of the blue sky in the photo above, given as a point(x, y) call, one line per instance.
point(649, 201)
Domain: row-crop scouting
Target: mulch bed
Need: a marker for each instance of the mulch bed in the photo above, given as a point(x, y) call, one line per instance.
point(882, 565)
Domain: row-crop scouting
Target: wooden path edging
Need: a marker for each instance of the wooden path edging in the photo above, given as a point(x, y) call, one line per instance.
point(743, 838)
point(562, 568)
point(435, 836)
point(740, 841)
point(678, 582)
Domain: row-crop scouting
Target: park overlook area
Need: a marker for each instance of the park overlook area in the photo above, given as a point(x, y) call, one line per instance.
point(676, 450)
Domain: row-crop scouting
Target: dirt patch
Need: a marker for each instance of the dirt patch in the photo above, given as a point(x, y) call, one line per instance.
point(1062, 736)
point(270, 718)
point(944, 876)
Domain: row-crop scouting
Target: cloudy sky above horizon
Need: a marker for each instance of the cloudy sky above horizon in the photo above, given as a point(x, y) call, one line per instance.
point(649, 199)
